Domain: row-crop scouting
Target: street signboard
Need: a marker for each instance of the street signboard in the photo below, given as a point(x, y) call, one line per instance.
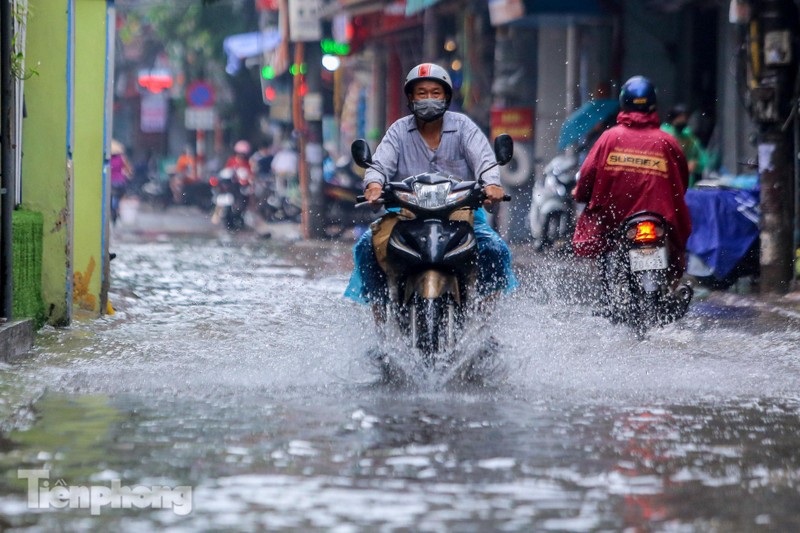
point(304, 17)
point(200, 94)
point(200, 118)
point(516, 121)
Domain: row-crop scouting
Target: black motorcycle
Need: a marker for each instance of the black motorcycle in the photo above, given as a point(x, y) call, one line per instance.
point(637, 276)
point(432, 255)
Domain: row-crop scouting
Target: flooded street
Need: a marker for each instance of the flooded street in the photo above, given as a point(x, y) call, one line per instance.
point(234, 368)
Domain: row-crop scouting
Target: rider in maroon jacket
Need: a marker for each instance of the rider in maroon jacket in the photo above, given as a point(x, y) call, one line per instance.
point(633, 167)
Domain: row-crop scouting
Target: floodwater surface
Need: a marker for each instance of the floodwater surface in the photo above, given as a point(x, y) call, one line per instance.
point(236, 378)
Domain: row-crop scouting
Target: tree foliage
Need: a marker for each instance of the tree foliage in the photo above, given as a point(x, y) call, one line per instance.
point(191, 33)
point(196, 30)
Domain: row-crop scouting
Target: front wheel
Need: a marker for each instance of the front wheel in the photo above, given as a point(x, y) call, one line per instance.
point(234, 221)
point(433, 324)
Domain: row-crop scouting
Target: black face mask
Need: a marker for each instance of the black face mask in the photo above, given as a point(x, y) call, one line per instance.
point(428, 109)
point(679, 126)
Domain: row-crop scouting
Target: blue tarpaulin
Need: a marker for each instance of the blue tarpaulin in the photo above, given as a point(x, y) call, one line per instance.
point(724, 226)
point(243, 45)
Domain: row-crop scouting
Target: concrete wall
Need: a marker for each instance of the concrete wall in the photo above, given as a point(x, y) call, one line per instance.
point(551, 79)
point(734, 126)
point(46, 163)
point(653, 43)
point(91, 200)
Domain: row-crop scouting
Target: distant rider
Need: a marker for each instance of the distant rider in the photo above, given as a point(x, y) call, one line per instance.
point(121, 172)
point(677, 125)
point(634, 166)
point(240, 158)
point(431, 139)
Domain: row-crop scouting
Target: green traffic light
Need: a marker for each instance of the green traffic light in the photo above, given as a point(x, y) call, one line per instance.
point(329, 46)
point(268, 72)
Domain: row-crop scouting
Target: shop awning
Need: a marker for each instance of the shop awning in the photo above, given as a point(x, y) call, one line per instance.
point(243, 45)
point(415, 6)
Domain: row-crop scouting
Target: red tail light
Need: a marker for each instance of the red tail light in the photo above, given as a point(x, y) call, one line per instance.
point(213, 181)
point(645, 232)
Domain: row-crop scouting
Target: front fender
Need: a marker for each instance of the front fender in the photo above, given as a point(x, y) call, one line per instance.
point(432, 284)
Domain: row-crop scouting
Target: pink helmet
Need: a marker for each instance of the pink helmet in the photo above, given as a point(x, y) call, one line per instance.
point(242, 147)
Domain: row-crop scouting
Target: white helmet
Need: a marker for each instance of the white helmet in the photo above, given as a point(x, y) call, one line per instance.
point(429, 71)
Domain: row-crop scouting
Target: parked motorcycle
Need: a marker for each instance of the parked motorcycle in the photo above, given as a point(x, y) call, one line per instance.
point(340, 191)
point(278, 198)
point(432, 257)
point(197, 193)
point(552, 214)
point(155, 191)
point(637, 276)
point(231, 192)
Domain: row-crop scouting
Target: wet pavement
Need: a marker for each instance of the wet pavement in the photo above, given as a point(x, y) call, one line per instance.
point(233, 384)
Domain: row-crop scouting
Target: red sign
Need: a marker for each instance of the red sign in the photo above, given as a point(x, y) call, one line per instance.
point(155, 82)
point(516, 121)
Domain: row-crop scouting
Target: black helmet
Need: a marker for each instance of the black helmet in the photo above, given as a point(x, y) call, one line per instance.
point(638, 94)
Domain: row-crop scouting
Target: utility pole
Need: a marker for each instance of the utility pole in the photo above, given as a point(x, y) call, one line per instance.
point(772, 74)
point(305, 29)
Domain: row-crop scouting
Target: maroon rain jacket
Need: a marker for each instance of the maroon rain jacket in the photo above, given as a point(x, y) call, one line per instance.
point(632, 167)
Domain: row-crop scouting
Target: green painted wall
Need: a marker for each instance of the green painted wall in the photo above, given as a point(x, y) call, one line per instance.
point(45, 163)
point(89, 198)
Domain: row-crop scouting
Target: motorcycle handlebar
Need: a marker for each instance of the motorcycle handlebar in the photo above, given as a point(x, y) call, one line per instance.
point(361, 200)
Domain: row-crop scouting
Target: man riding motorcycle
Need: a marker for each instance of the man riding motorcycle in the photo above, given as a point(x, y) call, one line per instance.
point(633, 167)
point(431, 139)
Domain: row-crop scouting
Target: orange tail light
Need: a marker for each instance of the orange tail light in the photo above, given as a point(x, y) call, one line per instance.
point(645, 232)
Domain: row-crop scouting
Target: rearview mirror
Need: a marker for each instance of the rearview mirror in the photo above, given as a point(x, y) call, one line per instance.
point(361, 153)
point(503, 148)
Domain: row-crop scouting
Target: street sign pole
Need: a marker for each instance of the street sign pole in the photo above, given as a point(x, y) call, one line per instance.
point(200, 116)
point(199, 157)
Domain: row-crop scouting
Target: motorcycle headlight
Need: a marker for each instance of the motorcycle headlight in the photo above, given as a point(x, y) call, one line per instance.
point(432, 196)
point(407, 197)
point(455, 197)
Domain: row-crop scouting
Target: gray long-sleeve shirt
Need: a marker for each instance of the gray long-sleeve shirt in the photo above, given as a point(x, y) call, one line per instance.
point(463, 152)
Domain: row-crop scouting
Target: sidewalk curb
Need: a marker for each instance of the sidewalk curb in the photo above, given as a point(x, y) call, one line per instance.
point(784, 306)
point(16, 338)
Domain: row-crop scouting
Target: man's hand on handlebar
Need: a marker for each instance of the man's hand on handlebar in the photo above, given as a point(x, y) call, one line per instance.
point(494, 195)
point(372, 194)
